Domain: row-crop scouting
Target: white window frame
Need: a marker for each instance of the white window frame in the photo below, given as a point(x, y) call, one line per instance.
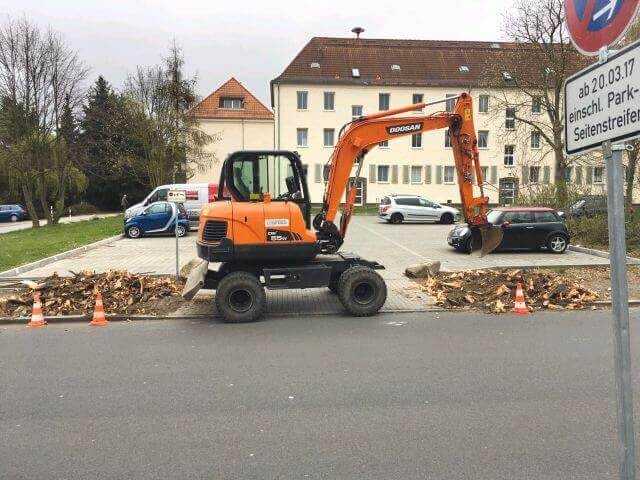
point(333, 137)
point(331, 95)
point(486, 139)
point(537, 135)
point(382, 95)
point(511, 156)
point(485, 173)
point(415, 168)
point(302, 100)
point(452, 170)
point(414, 137)
point(510, 119)
point(413, 99)
point(600, 169)
point(447, 135)
point(482, 98)
point(537, 169)
point(353, 117)
point(536, 101)
point(450, 104)
point(306, 137)
point(233, 101)
point(385, 168)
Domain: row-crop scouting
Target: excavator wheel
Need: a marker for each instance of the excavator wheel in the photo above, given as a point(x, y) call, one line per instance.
point(362, 291)
point(240, 298)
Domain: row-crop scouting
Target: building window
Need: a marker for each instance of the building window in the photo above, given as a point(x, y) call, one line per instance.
point(483, 104)
point(383, 173)
point(384, 144)
point(567, 174)
point(509, 155)
point(302, 97)
point(483, 139)
point(326, 169)
point(534, 174)
point(449, 174)
point(417, 98)
point(329, 100)
point(329, 134)
point(416, 140)
point(598, 174)
point(536, 105)
point(535, 140)
point(451, 103)
point(447, 139)
point(485, 173)
point(510, 118)
point(303, 137)
point(416, 174)
point(383, 101)
point(356, 111)
point(231, 103)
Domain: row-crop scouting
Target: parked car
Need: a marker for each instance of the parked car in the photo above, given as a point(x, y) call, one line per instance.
point(525, 228)
point(414, 208)
point(589, 206)
point(12, 213)
point(198, 195)
point(159, 218)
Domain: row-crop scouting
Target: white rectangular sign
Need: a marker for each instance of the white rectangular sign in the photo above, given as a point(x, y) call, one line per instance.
point(602, 102)
point(177, 196)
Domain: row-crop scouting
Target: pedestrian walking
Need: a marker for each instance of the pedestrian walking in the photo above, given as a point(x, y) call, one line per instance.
point(124, 203)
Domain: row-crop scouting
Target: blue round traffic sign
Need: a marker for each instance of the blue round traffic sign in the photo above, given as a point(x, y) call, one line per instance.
point(594, 24)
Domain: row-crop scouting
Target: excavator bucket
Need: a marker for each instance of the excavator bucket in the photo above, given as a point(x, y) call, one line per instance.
point(485, 239)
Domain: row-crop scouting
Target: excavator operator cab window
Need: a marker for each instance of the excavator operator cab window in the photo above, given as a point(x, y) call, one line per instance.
point(254, 174)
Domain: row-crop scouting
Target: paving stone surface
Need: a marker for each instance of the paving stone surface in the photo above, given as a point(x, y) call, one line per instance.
point(395, 246)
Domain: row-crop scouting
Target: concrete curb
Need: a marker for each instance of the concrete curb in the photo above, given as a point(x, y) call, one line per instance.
point(600, 253)
point(58, 256)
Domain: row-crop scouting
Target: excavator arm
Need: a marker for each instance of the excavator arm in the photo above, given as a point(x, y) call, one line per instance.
point(365, 133)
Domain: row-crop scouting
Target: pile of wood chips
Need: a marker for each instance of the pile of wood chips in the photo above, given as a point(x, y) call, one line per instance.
point(122, 293)
point(493, 291)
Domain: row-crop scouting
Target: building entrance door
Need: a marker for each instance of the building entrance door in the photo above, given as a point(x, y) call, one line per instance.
point(361, 190)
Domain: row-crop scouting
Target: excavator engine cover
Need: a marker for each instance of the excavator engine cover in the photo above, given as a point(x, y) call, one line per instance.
point(485, 239)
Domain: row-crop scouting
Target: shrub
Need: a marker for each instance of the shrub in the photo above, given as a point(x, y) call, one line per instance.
point(81, 208)
point(594, 231)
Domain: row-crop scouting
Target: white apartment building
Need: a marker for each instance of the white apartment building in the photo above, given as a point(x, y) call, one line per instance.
point(236, 120)
point(333, 80)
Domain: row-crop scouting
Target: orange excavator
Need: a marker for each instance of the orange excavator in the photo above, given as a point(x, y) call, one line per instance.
point(259, 230)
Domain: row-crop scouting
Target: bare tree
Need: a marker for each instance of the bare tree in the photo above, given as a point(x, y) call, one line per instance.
point(532, 70)
point(40, 76)
point(172, 142)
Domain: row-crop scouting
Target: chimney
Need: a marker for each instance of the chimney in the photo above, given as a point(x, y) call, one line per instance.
point(357, 31)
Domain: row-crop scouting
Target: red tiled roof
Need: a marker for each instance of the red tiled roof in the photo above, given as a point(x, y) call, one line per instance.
point(421, 62)
point(253, 109)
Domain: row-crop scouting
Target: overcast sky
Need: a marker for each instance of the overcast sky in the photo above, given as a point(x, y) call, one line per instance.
point(251, 40)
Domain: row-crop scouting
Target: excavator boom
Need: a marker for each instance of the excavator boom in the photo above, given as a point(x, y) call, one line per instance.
point(366, 132)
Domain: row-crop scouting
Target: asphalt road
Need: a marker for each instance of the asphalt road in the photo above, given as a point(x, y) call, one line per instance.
point(389, 397)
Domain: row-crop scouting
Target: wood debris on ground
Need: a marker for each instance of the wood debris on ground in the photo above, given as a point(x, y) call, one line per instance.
point(122, 293)
point(493, 291)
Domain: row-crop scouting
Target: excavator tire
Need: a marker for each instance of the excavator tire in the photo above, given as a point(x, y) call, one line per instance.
point(240, 298)
point(362, 291)
point(333, 287)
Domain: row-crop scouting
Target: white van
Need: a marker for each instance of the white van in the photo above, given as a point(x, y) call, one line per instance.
point(198, 194)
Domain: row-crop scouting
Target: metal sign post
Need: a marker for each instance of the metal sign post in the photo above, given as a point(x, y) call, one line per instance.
point(620, 306)
point(177, 197)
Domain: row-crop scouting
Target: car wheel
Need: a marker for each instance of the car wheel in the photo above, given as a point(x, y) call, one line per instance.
point(446, 218)
point(397, 218)
point(134, 232)
point(14, 218)
point(240, 298)
point(181, 231)
point(362, 291)
point(557, 243)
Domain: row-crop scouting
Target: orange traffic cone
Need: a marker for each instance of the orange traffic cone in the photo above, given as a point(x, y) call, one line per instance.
point(37, 319)
point(99, 320)
point(520, 306)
